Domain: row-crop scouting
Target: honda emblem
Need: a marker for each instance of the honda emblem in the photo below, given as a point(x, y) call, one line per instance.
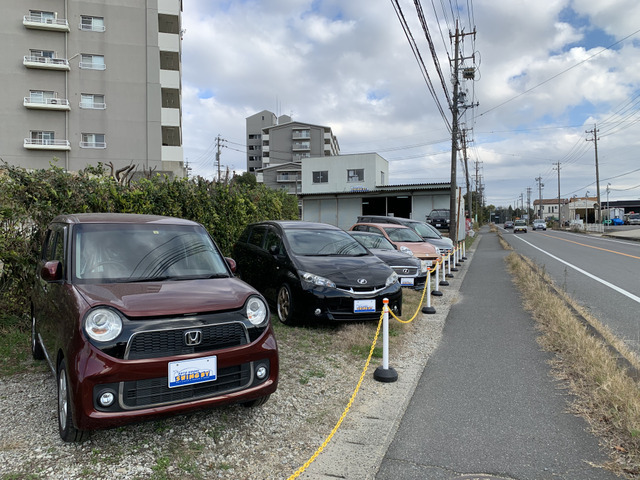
point(193, 337)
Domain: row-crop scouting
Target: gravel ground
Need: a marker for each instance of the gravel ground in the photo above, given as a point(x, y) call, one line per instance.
point(234, 442)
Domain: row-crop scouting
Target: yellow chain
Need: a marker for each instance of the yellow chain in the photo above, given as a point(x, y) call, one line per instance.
point(424, 291)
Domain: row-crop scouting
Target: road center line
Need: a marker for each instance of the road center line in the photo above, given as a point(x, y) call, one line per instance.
point(591, 246)
point(597, 279)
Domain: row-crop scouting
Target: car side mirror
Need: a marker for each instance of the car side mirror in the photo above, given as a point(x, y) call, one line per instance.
point(274, 250)
point(395, 246)
point(232, 264)
point(51, 271)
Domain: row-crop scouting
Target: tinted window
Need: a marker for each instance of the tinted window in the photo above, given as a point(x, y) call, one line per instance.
point(257, 236)
point(273, 243)
point(423, 230)
point(403, 235)
point(323, 242)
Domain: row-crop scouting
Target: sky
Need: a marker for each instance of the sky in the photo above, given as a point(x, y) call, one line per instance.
point(547, 75)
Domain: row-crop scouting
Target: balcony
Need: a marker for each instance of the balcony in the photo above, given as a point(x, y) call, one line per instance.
point(98, 145)
point(32, 61)
point(289, 177)
point(297, 146)
point(40, 103)
point(41, 22)
point(46, 144)
point(301, 134)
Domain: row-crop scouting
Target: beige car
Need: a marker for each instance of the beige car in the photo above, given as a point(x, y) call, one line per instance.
point(404, 239)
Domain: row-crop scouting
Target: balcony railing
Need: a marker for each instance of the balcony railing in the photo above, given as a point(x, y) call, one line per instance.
point(301, 146)
point(283, 177)
point(33, 61)
point(46, 144)
point(91, 28)
point(93, 105)
point(45, 23)
point(300, 134)
point(47, 103)
point(92, 66)
point(93, 145)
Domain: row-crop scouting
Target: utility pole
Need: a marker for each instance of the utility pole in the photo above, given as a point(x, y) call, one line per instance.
point(466, 172)
point(540, 185)
point(219, 141)
point(557, 167)
point(528, 201)
point(594, 132)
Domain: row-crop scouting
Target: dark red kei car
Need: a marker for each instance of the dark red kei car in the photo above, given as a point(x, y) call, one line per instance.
point(141, 316)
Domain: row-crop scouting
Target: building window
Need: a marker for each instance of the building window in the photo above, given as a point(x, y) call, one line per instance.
point(92, 101)
point(171, 136)
point(92, 62)
point(42, 138)
point(41, 17)
point(93, 140)
point(41, 96)
point(168, 23)
point(382, 178)
point(42, 54)
point(170, 98)
point(321, 177)
point(355, 175)
point(169, 61)
point(92, 24)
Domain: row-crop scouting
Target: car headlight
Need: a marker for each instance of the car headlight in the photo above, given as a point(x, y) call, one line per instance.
point(256, 310)
point(438, 251)
point(424, 266)
point(317, 280)
point(405, 249)
point(103, 324)
point(391, 279)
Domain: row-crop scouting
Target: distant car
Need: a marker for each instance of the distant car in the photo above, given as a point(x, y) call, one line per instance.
point(426, 231)
point(411, 270)
point(520, 226)
point(439, 218)
point(634, 219)
point(508, 224)
point(617, 221)
point(315, 271)
point(140, 316)
point(404, 238)
point(539, 224)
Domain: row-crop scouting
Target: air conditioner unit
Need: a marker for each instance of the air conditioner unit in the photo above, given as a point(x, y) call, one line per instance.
point(54, 101)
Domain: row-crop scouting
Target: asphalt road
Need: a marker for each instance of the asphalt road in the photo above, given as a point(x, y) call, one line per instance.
point(601, 273)
point(485, 405)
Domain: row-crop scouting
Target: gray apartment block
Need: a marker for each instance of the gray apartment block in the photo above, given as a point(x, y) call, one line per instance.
point(275, 140)
point(92, 81)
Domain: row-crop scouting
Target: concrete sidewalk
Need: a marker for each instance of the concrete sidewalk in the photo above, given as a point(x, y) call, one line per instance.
point(486, 405)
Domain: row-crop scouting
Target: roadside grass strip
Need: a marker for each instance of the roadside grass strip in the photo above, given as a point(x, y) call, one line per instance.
point(595, 365)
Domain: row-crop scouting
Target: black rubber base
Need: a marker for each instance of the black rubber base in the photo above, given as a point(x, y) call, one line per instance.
point(436, 293)
point(387, 375)
point(428, 310)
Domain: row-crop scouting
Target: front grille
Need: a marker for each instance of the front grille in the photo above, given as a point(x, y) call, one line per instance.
point(155, 391)
point(406, 271)
point(166, 343)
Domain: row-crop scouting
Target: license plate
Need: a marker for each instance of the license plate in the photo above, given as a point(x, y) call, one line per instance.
point(189, 372)
point(438, 224)
point(364, 306)
point(406, 281)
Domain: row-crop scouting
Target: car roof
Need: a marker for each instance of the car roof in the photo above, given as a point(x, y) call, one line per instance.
point(298, 224)
point(133, 218)
point(370, 234)
point(384, 225)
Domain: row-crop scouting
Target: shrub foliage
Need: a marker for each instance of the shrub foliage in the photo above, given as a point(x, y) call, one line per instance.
point(29, 200)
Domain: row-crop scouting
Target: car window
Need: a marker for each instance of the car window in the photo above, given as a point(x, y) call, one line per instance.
point(423, 230)
point(323, 242)
point(257, 235)
point(403, 235)
point(116, 252)
point(374, 241)
point(274, 241)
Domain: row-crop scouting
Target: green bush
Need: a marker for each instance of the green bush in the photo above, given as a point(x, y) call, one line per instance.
point(29, 200)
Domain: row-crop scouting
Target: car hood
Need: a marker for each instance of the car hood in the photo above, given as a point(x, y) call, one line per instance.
point(393, 257)
point(347, 271)
point(169, 298)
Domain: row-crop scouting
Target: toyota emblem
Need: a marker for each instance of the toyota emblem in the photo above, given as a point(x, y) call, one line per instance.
point(362, 281)
point(406, 270)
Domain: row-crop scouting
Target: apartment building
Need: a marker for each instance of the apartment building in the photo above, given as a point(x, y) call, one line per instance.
point(86, 82)
point(275, 140)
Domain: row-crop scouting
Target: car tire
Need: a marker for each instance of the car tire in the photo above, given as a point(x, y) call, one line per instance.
point(284, 305)
point(36, 349)
point(68, 432)
point(256, 403)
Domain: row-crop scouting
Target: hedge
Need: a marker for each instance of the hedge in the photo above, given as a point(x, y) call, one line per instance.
point(29, 200)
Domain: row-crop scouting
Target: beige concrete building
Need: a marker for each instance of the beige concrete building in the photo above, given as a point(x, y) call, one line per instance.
point(87, 82)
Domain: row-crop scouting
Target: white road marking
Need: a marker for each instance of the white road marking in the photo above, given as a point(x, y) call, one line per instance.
point(584, 272)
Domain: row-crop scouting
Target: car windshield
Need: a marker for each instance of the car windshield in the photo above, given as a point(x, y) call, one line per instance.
point(373, 241)
point(104, 253)
point(317, 242)
point(403, 235)
point(520, 222)
point(423, 230)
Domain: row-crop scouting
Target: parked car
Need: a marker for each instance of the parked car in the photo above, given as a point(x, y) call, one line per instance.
point(634, 219)
point(411, 270)
point(508, 224)
point(539, 224)
point(617, 221)
point(439, 218)
point(140, 316)
point(520, 226)
point(427, 232)
point(404, 238)
point(315, 271)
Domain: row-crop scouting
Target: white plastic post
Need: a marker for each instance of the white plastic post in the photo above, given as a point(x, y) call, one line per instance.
point(385, 334)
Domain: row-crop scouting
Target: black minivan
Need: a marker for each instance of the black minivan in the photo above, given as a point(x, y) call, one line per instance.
point(315, 271)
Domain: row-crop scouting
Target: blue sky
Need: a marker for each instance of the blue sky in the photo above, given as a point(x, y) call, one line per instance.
point(544, 76)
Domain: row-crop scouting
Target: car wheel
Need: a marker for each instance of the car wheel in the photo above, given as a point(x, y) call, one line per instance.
point(284, 304)
point(257, 402)
point(68, 432)
point(36, 349)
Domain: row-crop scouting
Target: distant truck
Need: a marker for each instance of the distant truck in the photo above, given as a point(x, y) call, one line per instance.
point(611, 213)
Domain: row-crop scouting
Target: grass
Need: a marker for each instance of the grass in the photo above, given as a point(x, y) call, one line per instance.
point(604, 394)
point(15, 347)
